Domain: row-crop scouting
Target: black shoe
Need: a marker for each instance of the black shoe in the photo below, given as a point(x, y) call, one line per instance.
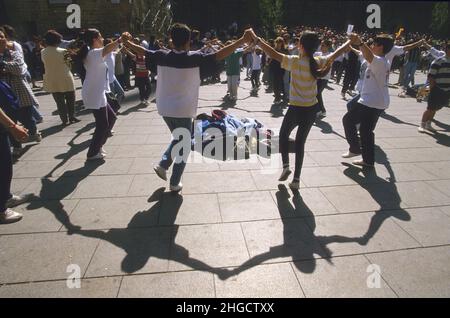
point(74, 120)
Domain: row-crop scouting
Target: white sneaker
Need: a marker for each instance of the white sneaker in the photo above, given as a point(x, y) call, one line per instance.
point(146, 102)
point(421, 129)
point(103, 151)
point(350, 155)
point(177, 188)
point(294, 185)
point(18, 200)
point(99, 156)
point(161, 172)
point(285, 174)
point(9, 216)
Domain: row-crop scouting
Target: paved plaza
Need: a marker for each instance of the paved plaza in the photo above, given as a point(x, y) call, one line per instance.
point(235, 231)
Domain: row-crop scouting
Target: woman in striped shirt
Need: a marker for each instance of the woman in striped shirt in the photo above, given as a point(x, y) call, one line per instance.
point(303, 105)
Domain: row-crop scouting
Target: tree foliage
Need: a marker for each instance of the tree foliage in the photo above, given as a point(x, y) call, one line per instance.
point(439, 20)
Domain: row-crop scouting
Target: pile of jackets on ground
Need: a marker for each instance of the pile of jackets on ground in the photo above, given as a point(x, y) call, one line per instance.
point(246, 136)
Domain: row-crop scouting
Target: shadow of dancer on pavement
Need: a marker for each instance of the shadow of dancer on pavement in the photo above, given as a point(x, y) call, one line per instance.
point(383, 191)
point(142, 240)
point(300, 242)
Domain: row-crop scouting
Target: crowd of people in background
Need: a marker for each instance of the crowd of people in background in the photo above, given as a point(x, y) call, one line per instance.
point(296, 64)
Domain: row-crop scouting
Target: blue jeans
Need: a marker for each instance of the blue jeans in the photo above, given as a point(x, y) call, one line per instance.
point(409, 71)
point(181, 156)
point(117, 90)
point(6, 170)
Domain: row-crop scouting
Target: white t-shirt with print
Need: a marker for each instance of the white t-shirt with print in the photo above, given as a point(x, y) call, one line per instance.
point(375, 91)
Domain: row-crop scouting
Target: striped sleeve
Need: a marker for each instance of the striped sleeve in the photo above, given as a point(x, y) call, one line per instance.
point(289, 61)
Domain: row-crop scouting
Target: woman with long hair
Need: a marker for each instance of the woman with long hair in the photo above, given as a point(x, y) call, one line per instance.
point(96, 84)
point(303, 104)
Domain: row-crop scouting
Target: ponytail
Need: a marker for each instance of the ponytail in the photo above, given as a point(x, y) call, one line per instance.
point(79, 50)
point(310, 42)
point(84, 43)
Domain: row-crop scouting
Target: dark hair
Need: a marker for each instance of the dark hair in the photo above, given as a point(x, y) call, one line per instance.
point(9, 31)
point(52, 38)
point(180, 34)
point(386, 41)
point(86, 39)
point(327, 43)
point(310, 42)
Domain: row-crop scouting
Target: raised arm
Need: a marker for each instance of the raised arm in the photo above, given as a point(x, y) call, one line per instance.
point(341, 50)
point(129, 53)
point(270, 51)
point(137, 49)
point(227, 50)
point(111, 47)
point(413, 45)
point(366, 51)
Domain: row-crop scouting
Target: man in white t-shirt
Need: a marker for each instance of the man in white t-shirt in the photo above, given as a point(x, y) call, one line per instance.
point(373, 101)
point(177, 92)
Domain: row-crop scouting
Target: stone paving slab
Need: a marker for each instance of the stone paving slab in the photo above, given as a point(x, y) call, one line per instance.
point(362, 233)
point(265, 281)
point(168, 285)
point(417, 272)
point(41, 216)
point(201, 247)
point(235, 231)
point(429, 226)
point(38, 257)
point(107, 287)
point(129, 251)
point(343, 277)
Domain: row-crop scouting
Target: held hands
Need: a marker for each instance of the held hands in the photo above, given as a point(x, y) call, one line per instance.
point(355, 39)
point(250, 36)
point(126, 36)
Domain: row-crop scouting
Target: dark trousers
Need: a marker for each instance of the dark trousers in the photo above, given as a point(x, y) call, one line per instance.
point(65, 102)
point(145, 88)
point(278, 83)
point(304, 118)
point(337, 70)
point(321, 84)
point(368, 118)
point(255, 78)
point(6, 170)
point(350, 79)
point(105, 118)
